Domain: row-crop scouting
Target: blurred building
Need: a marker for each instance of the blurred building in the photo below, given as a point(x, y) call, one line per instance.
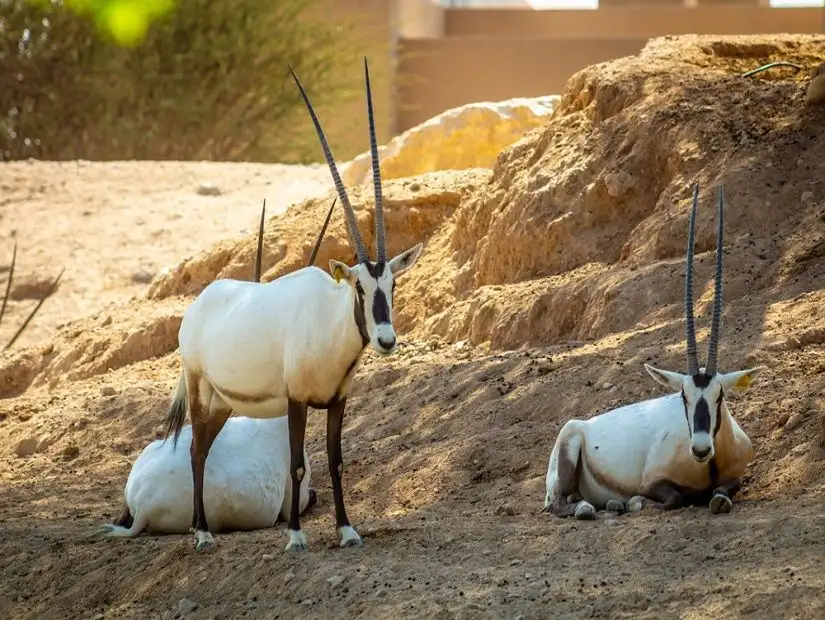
point(438, 54)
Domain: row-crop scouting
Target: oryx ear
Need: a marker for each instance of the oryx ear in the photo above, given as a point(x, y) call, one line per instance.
point(340, 271)
point(668, 378)
point(739, 379)
point(405, 260)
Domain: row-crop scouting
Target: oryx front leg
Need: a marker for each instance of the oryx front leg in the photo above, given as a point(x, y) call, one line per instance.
point(205, 429)
point(297, 420)
point(662, 494)
point(722, 500)
point(335, 420)
point(562, 497)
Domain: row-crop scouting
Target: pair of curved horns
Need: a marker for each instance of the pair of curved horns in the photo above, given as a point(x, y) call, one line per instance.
point(259, 254)
point(46, 295)
point(690, 328)
point(352, 226)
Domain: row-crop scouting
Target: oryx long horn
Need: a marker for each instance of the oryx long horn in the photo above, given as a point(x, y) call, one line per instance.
point(380, 241)
point(713, 345)
point(321, 235)
point(690, 324)
point(256, 274)
point(352, 225)
point(8, 284)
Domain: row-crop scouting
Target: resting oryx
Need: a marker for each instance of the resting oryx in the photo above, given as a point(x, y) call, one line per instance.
point(294, 342)
point(247, 486)
point(683, 448)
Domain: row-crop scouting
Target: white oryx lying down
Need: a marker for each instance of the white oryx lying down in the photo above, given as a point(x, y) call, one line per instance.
point(675, 450)
point(247, 484)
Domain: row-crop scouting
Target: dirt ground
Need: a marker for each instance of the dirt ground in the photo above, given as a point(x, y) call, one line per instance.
point(544, 285)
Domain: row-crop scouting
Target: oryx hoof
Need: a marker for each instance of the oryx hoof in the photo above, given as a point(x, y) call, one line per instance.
point(101, 531)
point(297, 542)
point(205, 542)
point(585, 512)
point(614, 505)
point(720, 504)
point(204, 547)
point(636, 503)
point(349, 537)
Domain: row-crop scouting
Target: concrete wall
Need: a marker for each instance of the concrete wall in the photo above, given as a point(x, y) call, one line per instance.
point(438, 74)
point(426, 58)
point(494, 54)
point(620, 22)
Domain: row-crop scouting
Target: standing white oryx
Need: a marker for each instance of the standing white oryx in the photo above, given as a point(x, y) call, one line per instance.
point(248, 484)
point(294, 342)
point(679, 449)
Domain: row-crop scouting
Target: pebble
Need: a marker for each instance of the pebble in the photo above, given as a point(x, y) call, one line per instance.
point(186, 606)
point(71, 451)
point(142, 276)
point(516, 562)
point(107, 390)
point(505, 509)
point(806, 196)
point(335, 581)
point(794, 421)
point(27, 447)
point(289, 577)
point(207, 188)
point(816, 89)
point(267, 556)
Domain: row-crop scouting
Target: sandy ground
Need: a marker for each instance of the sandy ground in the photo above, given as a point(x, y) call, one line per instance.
point(544, 285)
point(114, 226)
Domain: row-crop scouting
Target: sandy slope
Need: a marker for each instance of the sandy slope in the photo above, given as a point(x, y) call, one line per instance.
point(544, 285)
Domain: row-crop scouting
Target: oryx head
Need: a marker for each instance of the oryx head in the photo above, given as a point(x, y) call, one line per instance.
point(373, 281)
point(703, 389)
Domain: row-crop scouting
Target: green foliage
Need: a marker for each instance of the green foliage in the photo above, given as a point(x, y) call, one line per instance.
point(126, 21)
point(208, 81)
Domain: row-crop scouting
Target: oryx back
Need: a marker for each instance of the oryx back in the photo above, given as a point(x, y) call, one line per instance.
point(271, 341)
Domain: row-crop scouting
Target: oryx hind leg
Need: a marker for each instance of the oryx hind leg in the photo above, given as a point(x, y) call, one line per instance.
point(208, 413)
point(562, 497)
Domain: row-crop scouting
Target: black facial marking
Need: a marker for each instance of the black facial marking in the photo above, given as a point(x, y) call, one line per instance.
point(380, 308)
point(375, 269)
point(684, 402)
point(718, 412)
point(702, 380)
point(701, 417)
point(360, 319)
